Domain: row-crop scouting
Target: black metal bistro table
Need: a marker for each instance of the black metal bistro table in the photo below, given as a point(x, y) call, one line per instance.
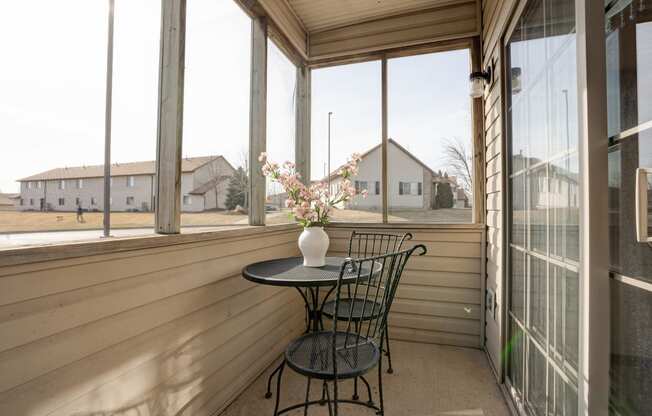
point(291, 272)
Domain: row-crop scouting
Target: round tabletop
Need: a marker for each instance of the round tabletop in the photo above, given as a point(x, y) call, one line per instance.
point(291, 272)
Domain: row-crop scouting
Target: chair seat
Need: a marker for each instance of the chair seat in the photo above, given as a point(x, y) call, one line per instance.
point(312, 355)
point(372, 310)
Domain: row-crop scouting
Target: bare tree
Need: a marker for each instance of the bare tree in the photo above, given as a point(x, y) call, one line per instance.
point(459, 158)
point(216, 179)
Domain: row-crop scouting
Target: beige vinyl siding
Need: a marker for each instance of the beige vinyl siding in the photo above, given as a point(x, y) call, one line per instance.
point(495, 15)
point(438, 299)
point(172, 330)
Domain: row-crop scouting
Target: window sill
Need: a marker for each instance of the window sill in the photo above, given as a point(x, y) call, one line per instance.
point(13, 256)
point(407, 225)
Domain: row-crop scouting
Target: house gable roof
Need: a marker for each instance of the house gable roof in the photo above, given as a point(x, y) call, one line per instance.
point(335, 173)
point(188, 165)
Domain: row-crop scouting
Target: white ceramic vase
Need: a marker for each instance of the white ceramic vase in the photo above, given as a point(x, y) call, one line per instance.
point(313, 243)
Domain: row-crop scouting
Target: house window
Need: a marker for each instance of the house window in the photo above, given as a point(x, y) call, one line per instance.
point(187, 200)
point(62, 202)
point(39, 184)
point(404, 188)
point(130, 200)
point(377, 188)
point(31, 201)
point(361, 186)
point(22, 202)
point(419, 188)
point(93, 201)
point(29, 185)
point(62, 184)
point(80, 183)
point(131, 181)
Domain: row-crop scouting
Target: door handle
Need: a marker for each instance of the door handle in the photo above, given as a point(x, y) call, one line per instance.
point(643, 186)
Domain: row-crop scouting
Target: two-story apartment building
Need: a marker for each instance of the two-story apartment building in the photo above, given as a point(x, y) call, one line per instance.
point(203, 186)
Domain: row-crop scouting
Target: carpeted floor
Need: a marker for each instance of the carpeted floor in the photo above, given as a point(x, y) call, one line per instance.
point(428, 380)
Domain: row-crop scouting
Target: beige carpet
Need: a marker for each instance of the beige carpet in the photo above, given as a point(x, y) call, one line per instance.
point(428, 380)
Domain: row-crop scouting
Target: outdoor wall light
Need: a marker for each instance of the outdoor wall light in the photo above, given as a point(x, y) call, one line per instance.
point(478, 80)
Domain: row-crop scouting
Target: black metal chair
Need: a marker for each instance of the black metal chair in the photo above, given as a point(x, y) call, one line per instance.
point(363, 245)
point(351, 348)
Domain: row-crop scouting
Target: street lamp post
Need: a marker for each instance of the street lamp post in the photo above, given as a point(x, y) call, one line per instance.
point(330, 113)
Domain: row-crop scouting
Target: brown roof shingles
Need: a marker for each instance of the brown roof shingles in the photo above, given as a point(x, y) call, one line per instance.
point(117, 169)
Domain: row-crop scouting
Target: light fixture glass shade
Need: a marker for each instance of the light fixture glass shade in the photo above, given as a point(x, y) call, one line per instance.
point(477, 87)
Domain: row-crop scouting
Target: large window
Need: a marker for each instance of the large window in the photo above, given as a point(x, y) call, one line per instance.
point(134, 116)
point(281, 110)
point(52, 102)
point(352, 96)
point(429, 154)
point(214, 181)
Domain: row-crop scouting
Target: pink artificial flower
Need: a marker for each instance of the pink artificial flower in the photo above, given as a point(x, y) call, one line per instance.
point(263, 157)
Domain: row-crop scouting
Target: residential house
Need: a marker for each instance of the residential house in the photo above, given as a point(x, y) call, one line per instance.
point(203, 186)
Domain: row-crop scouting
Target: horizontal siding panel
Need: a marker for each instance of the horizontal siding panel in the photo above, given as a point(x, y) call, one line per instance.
point(494, 253)
point(419, 236)
point(141, 329)
point(443, 294)
point(72, 274)
point(494, 165)
point(434, 337)
point(493, 133)
point(69, 346)
point(442, 309)
point(443, 279)
point(438, 299)
point(237, 376)
point(494, 219)
point(494, 236)
point(435, 249)
point(494, 183)
point(29, 327)
point(429, 323)
point(494, 145)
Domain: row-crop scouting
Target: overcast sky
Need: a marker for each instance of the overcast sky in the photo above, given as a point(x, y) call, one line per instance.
point(52, 90)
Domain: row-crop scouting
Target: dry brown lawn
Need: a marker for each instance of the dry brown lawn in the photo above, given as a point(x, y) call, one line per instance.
point(13, 221)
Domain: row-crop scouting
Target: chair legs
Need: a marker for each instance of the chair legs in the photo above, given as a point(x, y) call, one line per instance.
point(278, 387)
point(268, 394)
point(305, 408)
point(390, 370)
point(381, 412)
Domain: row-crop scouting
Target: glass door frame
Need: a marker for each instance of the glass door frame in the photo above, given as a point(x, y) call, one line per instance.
point(594, 302)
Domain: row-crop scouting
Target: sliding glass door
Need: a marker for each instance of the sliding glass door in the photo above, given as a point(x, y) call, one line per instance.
point(629, 99)
point(543, 209)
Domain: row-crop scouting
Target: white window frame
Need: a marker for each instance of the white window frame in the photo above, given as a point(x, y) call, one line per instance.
point(187, 200)
point(131, 181)
point(62, 184)
point(80, 183)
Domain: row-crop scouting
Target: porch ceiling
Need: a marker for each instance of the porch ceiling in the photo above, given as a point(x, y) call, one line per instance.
point(315, 30)
point(317, 15)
